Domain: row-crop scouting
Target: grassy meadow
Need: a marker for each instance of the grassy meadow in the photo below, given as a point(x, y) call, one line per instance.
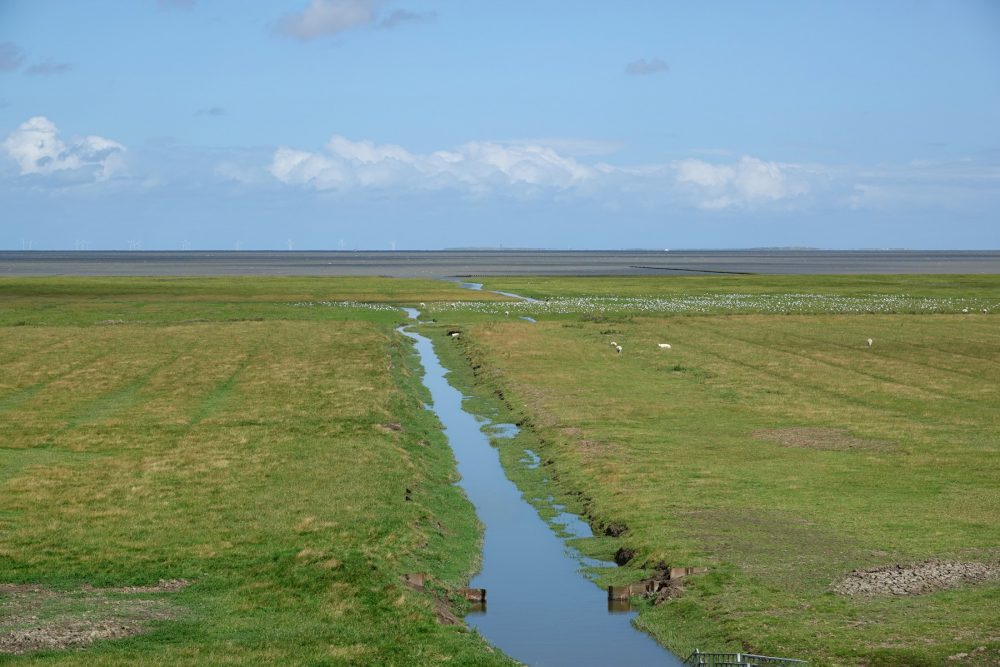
point(774, 447)
point(239, 468)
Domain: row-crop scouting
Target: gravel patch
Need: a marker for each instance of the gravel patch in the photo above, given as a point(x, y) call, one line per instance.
point(38, 618)
point(918, 579)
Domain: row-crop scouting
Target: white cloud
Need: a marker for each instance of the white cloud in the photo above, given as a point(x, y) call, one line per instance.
point(748, 182)
point(37, 149)
point(474, 166)
point(576, 169)
point(328, 17)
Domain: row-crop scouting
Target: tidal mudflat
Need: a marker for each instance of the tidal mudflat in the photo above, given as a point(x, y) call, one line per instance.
point(471, 263)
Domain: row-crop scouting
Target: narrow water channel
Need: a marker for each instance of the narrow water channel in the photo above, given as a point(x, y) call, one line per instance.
point(540, 609)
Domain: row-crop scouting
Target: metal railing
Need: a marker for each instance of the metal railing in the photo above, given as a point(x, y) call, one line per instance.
point(699, 659)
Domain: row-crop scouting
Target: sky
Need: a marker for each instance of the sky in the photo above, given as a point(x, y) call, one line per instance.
point(421, 124)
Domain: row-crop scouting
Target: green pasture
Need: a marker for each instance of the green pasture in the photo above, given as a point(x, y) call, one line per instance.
point(73, 301)
point(777, 449)
point(923, 285)
point(259, 446)
point(276, 461)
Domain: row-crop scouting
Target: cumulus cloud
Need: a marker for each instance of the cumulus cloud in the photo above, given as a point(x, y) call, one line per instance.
point(11, 56)
point(474, 166)
point(520, 167)
point(643, 66)
point(47, 68)
point(747, 182)
point(37, 149)
point(331, 17)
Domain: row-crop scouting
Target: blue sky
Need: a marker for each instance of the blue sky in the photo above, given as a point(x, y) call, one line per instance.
point(216, 124)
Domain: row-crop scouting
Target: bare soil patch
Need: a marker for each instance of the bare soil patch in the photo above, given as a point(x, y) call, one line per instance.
point(826, 439)
point(163, 586)
point(35, 618)
point(917, 579)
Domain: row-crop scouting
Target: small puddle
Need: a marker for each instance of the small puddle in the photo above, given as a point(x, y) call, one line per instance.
point(533, 460)
point(503, 431)
point(540, 608)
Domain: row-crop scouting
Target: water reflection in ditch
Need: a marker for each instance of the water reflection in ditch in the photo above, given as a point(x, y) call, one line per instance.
point(540, 609)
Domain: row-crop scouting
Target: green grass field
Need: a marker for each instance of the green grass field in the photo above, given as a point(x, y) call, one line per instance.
point(237, 440)
point(777, 449)
point(213, 434)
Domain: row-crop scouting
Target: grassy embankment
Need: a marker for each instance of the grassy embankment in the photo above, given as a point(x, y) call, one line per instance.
point(778, 449)
point(210, 432)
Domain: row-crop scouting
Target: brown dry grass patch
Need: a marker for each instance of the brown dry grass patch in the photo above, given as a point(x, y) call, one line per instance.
point(825, 439)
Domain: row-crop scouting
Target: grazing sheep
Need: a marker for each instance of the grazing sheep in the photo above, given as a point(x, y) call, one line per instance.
point(663, 346)
point(870, 341)
point(614, 344)
point(618, 349)
point(965, 310)
point(985, 311)
point(423, 305)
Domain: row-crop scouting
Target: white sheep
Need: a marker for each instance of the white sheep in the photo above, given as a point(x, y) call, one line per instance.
point(618, 349)
point(663, 346)
point(870, 341)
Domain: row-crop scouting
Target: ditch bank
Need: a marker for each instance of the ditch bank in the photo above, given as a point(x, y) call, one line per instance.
point(539, 607)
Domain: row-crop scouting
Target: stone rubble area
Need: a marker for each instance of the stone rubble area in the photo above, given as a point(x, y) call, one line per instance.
point(917, 579)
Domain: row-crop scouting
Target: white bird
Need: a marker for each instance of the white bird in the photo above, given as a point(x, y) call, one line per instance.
point(663, 346)
point(618, 349)
point(870, 341)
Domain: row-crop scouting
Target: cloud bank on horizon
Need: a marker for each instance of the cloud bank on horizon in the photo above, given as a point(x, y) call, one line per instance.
point(325, 119)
